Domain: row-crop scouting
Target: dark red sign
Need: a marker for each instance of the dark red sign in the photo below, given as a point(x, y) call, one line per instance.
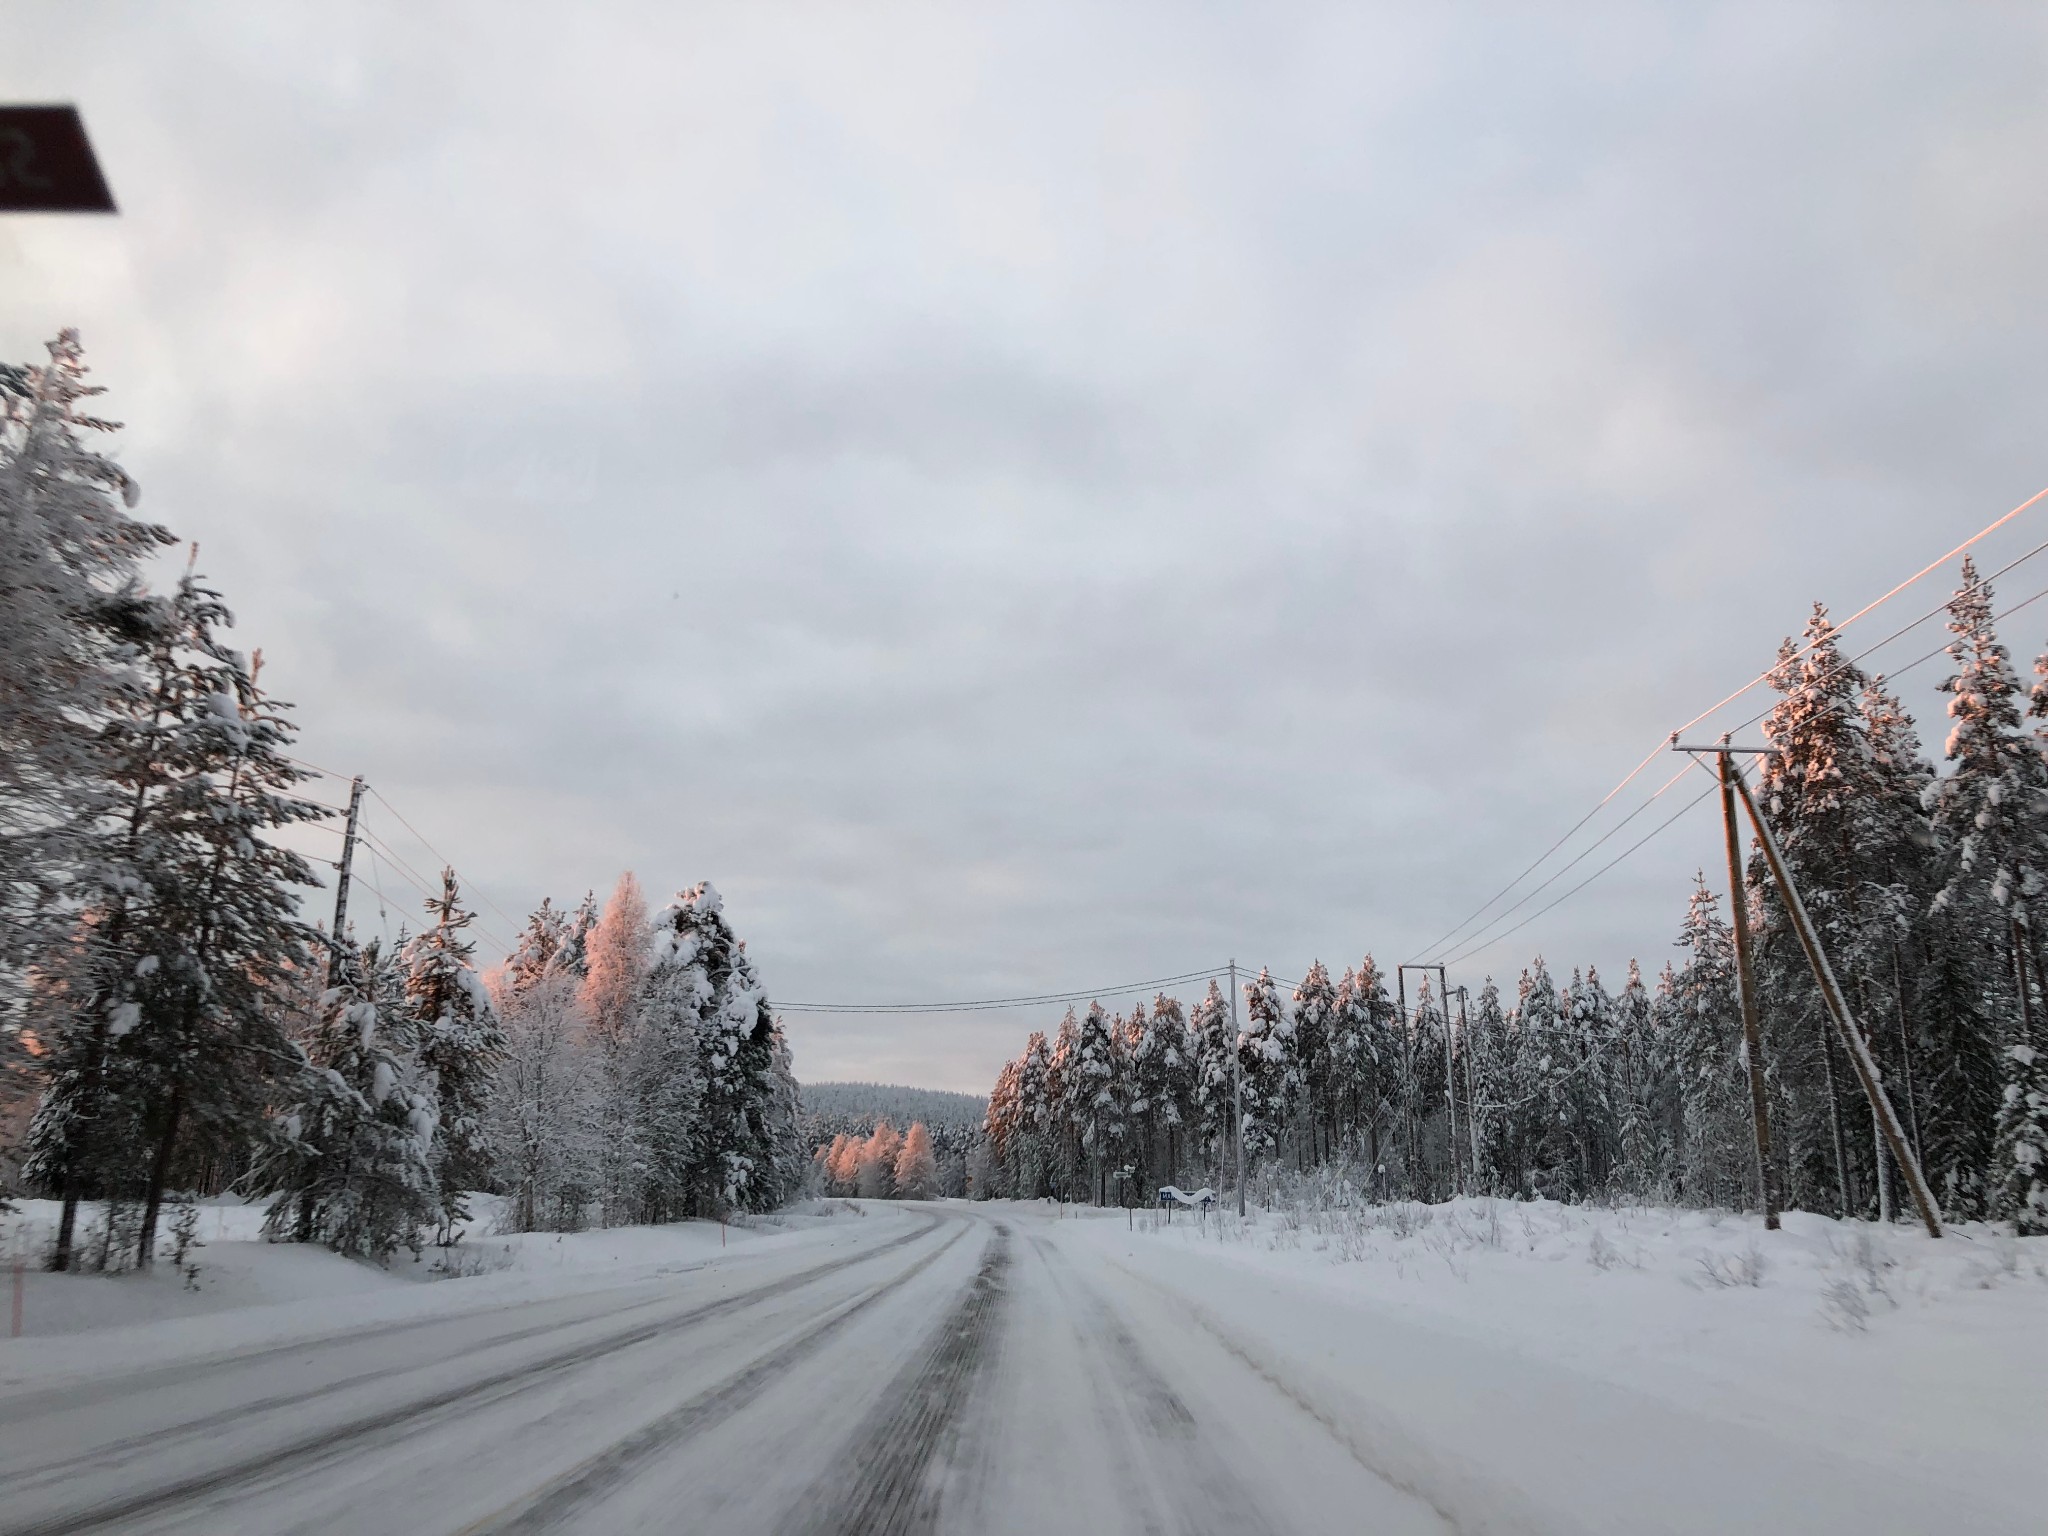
point(46, 165)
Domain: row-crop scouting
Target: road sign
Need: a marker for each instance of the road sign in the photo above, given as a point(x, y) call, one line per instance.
point(47, 165)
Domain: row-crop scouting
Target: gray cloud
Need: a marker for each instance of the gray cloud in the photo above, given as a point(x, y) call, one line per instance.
point(1026, 498)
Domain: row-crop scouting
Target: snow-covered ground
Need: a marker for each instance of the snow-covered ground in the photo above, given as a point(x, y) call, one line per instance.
point(1011, 1367)
point(245, 1290)
point(1555, 1367)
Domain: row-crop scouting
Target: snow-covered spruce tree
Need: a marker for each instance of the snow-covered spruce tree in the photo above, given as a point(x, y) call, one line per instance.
point(1422, 1078)
point(1096, 1107)
point(1314, 1009)
point(786, 1172)
point(1364, 1049)
point(1594, 1128)
point(1990, 814)
point(735, 1039)
point(656, 1090)
point(576, 938)
point(1003, 1130)
point(916, 1172)
point(1704, 1023)
point(1038, 1113)
point(460, 1043)
point(1209, 1027)
point(72, 628)
point(1496, 1091)
point(542, 1112)
point(1174, 1080)
point(353, 1162)
point(1549, 1061)
point(1640, 1082)
point(1855, 841)
point(188, 931)
point(2020, 1152)
point(1272, 1068)
point(1066, 1097)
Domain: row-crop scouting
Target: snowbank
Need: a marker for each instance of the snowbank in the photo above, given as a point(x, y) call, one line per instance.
point(250, 1293)
point(1536, 1366)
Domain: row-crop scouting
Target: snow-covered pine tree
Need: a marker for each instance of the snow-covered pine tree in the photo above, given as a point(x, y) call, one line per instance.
point(1037, 1097)
point(2020, 1150)
point(1496, 1093)
point(782, 1109)
point(576, 941)
point(544, 1095)
point(1704, 1024)
point(1640, 1082)
point(1314, 1011)
point(460, 1043)
point(1273, 1083)
point(1071, 1093)
point(1990, 814)
point(1092, 1080)
point(1845, 816)
point(72, 626)
point(876, 1179)
point(1423, 1068)
point(352, 1167)
point(1548, 1060)
point(189, 932)
point(735, 1041)
point(1003, 1131)
point(1209, 1026)
point(1594, 1126)
point(916, 1172)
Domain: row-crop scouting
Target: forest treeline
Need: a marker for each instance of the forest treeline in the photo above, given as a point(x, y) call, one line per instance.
point(170, 1022)
point(886, 1164)
point(1922, 884)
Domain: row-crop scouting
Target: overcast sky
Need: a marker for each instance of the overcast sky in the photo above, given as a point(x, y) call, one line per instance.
point(1028, 498)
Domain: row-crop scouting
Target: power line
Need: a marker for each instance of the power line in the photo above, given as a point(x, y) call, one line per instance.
point(1464, 955)
point(1564, 869)
point(1439, 945)
point(1917, 661)
point(1039, 1000)
point(475, 889)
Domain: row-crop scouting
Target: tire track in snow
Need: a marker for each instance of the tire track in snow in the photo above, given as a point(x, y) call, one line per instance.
point(337, 1442)
point(1190, 1477)
point(889, 1481)
point(571, 1494)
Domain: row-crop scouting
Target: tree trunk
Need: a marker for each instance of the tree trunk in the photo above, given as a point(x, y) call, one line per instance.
point(1827, 1063)
point(67, 1224)
point(159, 1170)
point(1906, 1057)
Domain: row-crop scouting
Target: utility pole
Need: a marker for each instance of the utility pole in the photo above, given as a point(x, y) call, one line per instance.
point(1443, 986)
point(1838, 1010)
point(1237, 1084)
point(348, 850)
point(1745, 986)
point(1733, 784)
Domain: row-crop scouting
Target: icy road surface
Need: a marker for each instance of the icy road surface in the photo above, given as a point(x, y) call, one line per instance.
point(927, 1368)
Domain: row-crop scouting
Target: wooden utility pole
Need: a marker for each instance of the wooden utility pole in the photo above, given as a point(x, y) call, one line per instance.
point(348, 850)
point(1237, 1085)
point(1838, 1007)
point(1745, 986)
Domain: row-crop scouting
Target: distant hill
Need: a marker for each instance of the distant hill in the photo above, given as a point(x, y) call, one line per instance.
point(847, 1106)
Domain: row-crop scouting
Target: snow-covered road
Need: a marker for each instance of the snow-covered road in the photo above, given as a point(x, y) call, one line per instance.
point(923, 1369)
